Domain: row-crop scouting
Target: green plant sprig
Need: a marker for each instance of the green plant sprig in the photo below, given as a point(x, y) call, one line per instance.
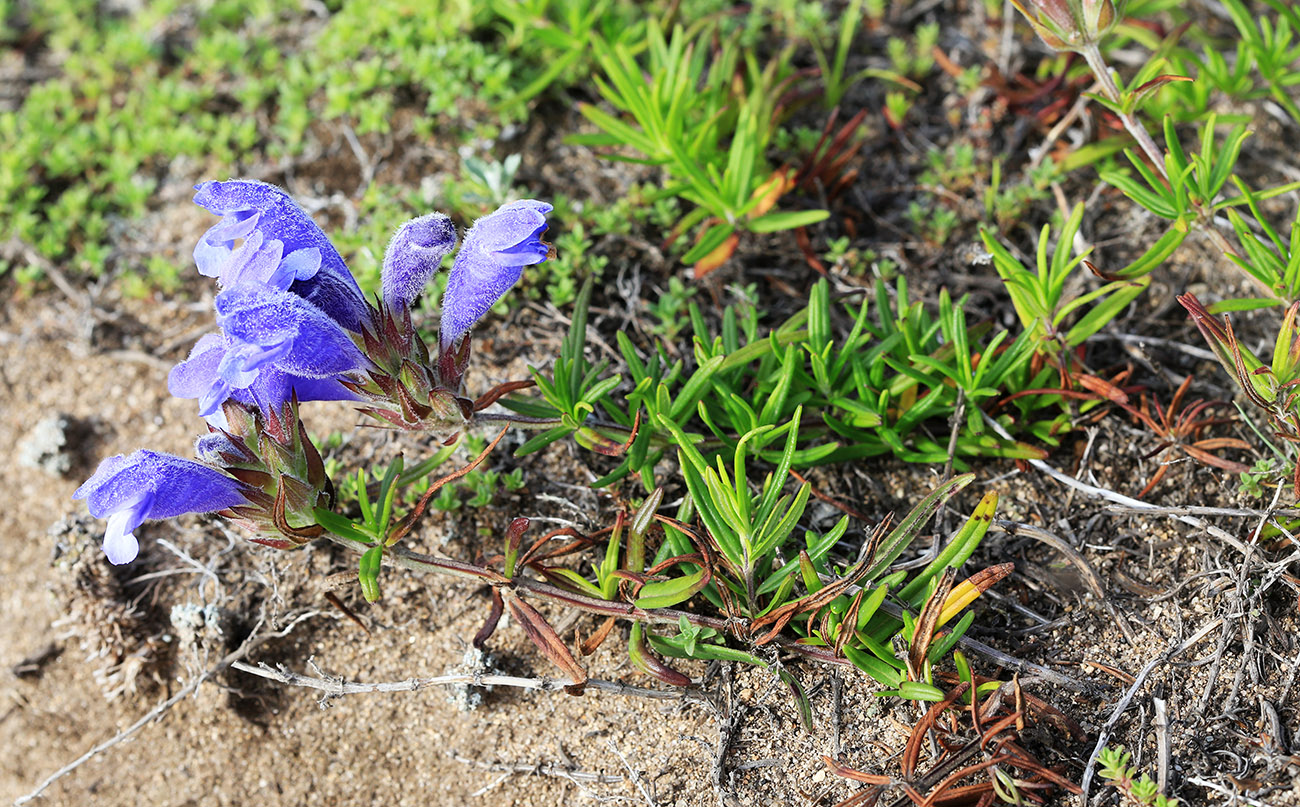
point(709, 139)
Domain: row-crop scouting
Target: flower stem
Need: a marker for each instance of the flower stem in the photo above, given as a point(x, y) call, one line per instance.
point(1204, 215)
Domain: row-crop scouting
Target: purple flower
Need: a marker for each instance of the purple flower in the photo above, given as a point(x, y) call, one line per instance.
point(148, 485)
point(413, 256)
point(266, 265)
point(493, 257)
point(315, 269)
point(274, 344)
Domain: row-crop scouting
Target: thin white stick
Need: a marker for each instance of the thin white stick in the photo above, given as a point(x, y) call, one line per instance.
point(337, 687)
point(1119, 498)
point(636, 777)
point(1103, 737)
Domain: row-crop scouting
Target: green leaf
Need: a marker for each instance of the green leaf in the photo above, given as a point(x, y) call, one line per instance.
point(818, 548)
point(1242, 304)
point(539, 441)
point(957, 551)
point(387, 493)
point(786, 220)
point(708, 652)
point(770, 538)
point(919, 691)
point(577, 581)
point(800, 698)
point(667, 593)
point(1156, 254)
point(872, 666)
point(695, 388)
point(898, 538)
point(341, 526)
point(711, 240)
point(368, 572)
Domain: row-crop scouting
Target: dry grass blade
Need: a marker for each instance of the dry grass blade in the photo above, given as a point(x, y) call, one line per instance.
point(409, 522)
point(855, 774)
point(912, 752)
point(595, 640)
point(926, 623)
point(780, 617)
point(496, 393)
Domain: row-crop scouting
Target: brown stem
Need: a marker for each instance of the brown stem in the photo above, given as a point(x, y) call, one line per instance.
point(1204, 215)
point(415, 561)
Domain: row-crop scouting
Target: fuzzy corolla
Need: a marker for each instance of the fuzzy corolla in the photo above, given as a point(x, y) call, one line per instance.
point(255, 210)
point(413, 256)
point(273, 345)
point(491, 260)
point(127, 490)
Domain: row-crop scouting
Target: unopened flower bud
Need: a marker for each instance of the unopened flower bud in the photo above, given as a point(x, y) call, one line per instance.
point(1069, 24)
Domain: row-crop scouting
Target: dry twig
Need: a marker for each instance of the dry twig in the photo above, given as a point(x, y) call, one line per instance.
point(338, 687)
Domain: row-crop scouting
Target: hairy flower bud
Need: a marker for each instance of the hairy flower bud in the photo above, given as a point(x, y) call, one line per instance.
point(413, 256)
point(492, 259)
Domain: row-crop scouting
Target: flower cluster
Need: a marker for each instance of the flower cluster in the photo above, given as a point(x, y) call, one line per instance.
point(293, 326)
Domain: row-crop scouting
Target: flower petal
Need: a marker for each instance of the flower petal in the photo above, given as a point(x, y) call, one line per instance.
point(475, 284)
point(172, 486)
point(491, 260)
point(510, 226)
point(274, 387)
point(120, 544)
point(332, 288)
point(214, 249)
point(199, 376)
point(304, 340)
point(413, 256)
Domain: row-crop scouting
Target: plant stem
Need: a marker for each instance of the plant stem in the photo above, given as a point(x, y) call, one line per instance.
point(519, 421)
point(415, 561)
point(1092, 55)
point(1204, 215)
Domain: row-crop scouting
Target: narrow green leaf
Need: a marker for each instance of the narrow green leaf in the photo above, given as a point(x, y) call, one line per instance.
point(786, 220)
point(897, 540)
point(667, 593)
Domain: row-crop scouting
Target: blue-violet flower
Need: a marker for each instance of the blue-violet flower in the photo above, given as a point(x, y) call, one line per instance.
point(316, 271)
point(149, 485)
point(413, 256)
point(491, 260)
point(274, 344)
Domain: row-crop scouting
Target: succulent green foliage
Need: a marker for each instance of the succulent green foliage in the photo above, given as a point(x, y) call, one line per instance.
point(1274, 260)
point(859, 379)
point(86, 145)
point(1039, 296)
point(856, 609)
point(1272, 46)
point(558, 36)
